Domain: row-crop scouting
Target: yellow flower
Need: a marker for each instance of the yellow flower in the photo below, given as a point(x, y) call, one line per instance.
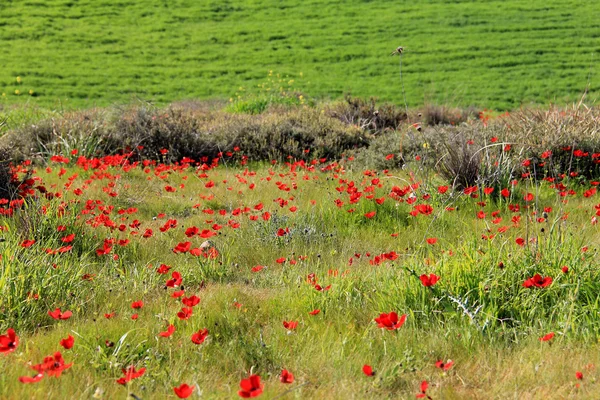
point(31, 92)
point(425, 145)
point(19, 80)
point(17, 92)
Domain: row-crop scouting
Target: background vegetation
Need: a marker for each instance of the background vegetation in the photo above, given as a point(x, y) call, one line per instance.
point(494, 54)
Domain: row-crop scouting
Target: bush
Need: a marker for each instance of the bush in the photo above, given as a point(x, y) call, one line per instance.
point(366, 115)
point(444, 115)
point(7, 182)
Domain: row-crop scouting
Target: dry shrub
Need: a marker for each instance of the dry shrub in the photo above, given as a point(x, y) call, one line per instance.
point(444, 115)
point(367, 115)
point(7, 185)
point(85, 131)
point(460, 162)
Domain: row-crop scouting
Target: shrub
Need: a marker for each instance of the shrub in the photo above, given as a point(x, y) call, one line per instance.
point(444, 115)
point(366, 115)
point(8, 187)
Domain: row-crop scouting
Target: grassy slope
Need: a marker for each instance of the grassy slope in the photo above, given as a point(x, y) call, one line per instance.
point(496, 54)
point(506, 360)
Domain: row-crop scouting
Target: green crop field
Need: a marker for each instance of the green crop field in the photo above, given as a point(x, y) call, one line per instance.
point(495, 54)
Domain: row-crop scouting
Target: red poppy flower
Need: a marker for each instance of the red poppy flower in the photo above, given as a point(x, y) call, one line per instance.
point(9, 342)
point(137, 304)
point(538, 281)
point(290, 325)
point(368, 370)
point(251, 387)
point(315, 312)
point(206, 233)
point(68, 342)
point(175, 280)
point(57, 314)
point(431, 241)
point(184, 391)
point(68, 238)
point(283, 232)
point(191, 301)
point(191, 231)
point(390, 321)
point(371, 214)
point(257, 268)
point(31, 379)
point(182, 247)
point(185, 313)
point(170, 330)
point(129, 374)
point(444, 366)
point(424, 209)
point(27, 243)
point(429, 280)
point(286, 376)
point(579, 375)
point(109, 315)
point(200, 336)
point(547, 337)
point(423, 394)
point(52, 365)
point(163, 269)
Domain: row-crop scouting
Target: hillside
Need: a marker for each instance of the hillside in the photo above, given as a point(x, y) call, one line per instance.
point(495, 54)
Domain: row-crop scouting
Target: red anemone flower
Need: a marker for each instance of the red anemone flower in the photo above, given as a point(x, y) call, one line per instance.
point(547, 337)
point(286, 376)
point(191, 301)
point(137, 304)
point(290, 325)
point(31, 379)
point(170, 330)
point(129, 374)
point(390, 321)
point(68, 342)
point(538, 281)
point(368, 370)
point(52, 365)
point(9, 342)
point(184, 391)
point(200, 336)
point(57, 314)
point(185, 313)
point(444, 366)
point(251, 387)
point(423, 394)
point(429, 280)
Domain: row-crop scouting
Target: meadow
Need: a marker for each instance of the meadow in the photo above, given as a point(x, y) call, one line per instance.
point(125, 275)
point(494, 54)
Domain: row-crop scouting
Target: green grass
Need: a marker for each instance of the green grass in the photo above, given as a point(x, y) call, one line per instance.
point(495, 54)
point(478, 314)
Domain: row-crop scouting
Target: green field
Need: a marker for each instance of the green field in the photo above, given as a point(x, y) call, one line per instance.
point(495, 54)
